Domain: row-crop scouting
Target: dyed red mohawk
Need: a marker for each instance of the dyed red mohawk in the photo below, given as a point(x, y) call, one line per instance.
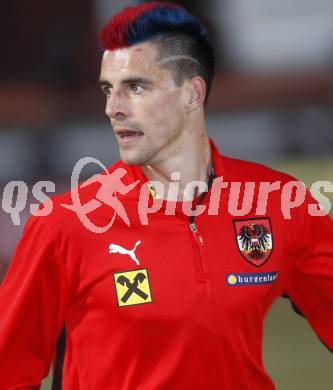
point(182, 33)
point(136, 24)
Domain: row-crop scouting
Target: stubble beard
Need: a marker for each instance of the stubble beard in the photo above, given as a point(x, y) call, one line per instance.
point(138, 155)
point(146, 152)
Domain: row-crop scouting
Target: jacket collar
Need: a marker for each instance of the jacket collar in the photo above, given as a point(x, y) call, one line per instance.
point(136, 173)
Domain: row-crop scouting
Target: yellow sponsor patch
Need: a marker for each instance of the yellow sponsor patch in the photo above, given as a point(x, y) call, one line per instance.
point(132, 287)
point(153, 191)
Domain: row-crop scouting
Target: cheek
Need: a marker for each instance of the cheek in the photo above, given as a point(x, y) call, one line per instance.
point(164, 110)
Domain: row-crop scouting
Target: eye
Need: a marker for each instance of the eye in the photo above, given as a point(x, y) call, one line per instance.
point(107, 90)
point(136, 88)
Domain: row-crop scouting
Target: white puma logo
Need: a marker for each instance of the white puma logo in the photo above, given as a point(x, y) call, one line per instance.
point(113, 248)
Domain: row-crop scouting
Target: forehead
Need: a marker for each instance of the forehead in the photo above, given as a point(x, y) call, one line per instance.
point(137, 60)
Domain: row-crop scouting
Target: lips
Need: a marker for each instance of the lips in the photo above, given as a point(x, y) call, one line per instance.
point(127, 135)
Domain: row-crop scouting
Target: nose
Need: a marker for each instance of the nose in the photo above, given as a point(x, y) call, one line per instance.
point(116, 106)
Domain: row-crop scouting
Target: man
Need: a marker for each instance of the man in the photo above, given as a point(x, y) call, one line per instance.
point(175, 300)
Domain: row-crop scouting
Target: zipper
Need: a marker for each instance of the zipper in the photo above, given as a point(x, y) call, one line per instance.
point(196, 242)
point(197, 239)
point(194, 230)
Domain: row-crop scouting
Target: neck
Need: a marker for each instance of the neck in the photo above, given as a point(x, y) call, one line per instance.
point(191, 162)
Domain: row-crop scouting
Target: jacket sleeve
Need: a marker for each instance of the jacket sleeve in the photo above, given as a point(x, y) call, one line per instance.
point(32, 307)
point(310, 278)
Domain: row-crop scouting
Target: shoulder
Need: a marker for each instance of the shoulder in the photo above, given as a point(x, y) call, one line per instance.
point(247, 171)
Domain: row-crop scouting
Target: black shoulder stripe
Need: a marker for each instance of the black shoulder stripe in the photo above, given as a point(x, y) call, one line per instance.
point(59, 364)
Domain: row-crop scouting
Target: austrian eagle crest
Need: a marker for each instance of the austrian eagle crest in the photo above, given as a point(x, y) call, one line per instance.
point(254, 239)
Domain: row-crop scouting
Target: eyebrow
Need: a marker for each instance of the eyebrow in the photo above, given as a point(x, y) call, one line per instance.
point(129, 80)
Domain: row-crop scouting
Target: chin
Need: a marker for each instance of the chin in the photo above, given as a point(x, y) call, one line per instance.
point(131, 159)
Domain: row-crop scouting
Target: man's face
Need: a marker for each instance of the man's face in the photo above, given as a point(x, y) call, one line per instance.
point(143, 103)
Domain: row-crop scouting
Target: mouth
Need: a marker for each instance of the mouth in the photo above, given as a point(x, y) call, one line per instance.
point(127, 135)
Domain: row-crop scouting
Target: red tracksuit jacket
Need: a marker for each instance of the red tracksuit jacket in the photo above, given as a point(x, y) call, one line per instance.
point(162, 306)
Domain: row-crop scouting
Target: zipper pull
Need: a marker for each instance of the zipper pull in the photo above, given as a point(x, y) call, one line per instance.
point(193, 227)
point(194, 230)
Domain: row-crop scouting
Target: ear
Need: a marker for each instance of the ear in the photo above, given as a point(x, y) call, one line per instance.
point(195, 93)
